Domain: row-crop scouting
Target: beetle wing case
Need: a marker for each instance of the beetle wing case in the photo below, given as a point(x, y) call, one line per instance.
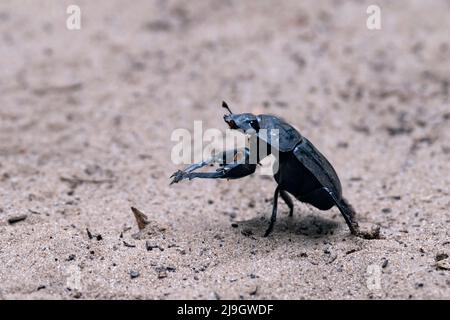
point(319, 166)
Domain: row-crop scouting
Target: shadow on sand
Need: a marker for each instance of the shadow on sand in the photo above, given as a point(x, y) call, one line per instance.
point(312, 225)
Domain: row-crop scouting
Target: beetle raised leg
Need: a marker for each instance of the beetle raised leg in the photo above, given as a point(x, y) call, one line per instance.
point(229, 171)
point(287, 199)
point(273, 218)
point(237, 169)
point(217, 158)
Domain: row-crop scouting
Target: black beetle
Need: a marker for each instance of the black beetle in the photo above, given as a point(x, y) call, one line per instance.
point(302, 171)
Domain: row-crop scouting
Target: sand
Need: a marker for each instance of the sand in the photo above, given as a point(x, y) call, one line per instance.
point(86, 118)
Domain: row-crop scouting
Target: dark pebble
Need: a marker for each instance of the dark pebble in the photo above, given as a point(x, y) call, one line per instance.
point(441, 256)
point(16, 219)
point(126, 244)
point(149, 245)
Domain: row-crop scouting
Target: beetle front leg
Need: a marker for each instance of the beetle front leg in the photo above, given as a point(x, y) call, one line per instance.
point(229, 171)
point(235, 170)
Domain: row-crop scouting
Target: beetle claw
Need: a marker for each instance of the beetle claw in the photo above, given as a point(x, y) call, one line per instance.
point(177, 176)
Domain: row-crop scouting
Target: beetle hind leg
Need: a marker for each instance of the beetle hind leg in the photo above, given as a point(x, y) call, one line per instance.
point(287, 199)
point(349, 215)
point(347, 212)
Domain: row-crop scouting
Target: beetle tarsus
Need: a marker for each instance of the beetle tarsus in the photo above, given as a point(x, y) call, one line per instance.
point(177, 176)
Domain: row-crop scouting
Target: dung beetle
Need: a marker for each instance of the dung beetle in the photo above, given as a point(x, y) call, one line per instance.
point(302, 171)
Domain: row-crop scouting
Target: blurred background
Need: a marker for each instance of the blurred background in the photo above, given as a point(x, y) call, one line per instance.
point(86, 118)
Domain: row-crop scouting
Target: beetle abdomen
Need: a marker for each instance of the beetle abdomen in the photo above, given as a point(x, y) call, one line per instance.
point(319, 198)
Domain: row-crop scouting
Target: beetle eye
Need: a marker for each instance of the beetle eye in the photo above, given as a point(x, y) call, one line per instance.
point(254, 124)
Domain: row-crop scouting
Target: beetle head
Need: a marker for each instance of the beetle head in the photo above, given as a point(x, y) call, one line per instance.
point(243, 121)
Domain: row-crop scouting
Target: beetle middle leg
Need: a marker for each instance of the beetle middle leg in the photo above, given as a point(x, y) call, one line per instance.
point(273, 218)
point(287, 199)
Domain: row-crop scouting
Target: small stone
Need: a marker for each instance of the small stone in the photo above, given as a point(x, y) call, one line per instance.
point(134, 274)
point(253, 291)
point(126, 244)
point(162, 272)
point(141, 218)
point(16, 219)
point(149, 245)
point(441, 256)
point(443, 264)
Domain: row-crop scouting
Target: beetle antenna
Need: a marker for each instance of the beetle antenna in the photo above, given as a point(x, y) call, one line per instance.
point(225, 105)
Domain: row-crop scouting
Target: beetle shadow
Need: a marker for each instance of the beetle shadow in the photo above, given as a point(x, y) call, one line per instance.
point(312, 226)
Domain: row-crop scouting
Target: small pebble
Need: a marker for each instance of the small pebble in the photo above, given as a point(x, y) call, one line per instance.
point(16, 219)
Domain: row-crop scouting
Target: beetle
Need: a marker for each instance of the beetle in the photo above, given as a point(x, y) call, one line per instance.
point(303, 171)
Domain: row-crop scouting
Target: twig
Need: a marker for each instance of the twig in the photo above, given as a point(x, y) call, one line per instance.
point(75, 181)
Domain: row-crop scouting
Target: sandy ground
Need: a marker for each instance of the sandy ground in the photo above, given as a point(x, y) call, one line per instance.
point(86, 119)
